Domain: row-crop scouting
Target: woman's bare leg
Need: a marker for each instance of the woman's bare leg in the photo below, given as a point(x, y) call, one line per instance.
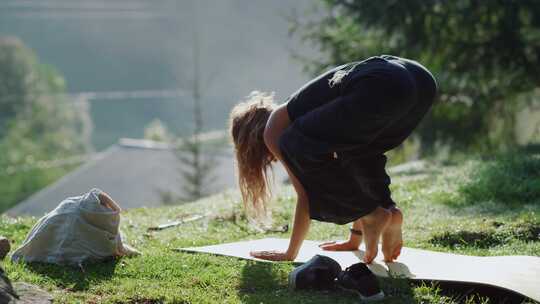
point(374, 224)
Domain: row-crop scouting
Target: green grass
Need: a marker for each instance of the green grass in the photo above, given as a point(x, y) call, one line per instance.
point(440, 214)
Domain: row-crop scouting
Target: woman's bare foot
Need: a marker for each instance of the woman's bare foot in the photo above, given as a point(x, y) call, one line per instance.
point(392, 241)
point(373, 225)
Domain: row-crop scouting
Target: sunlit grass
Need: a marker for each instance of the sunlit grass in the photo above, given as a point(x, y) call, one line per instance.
point(439, 215)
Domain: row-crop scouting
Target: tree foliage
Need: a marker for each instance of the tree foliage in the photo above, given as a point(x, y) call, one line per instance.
point(37, 123)
point(483, 54)
point(197, 168)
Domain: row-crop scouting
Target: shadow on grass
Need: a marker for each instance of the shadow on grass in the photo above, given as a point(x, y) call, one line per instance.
point(76, 279)
point(527, 230)
point(531, 148)
point(262, 283)
point(461, 292)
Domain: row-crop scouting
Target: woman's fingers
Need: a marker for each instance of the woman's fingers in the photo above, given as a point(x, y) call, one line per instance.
point(333, 246)
point(270, 255)
point(326, 244)
point(259, 254)
point(330, 248)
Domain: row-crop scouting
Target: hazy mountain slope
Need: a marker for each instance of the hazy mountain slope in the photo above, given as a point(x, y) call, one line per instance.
point(141, 45)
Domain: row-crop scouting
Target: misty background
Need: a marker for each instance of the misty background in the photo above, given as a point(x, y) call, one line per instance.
point(127, 47)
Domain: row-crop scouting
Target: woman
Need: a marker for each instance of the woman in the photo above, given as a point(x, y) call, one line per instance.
point(331, 136)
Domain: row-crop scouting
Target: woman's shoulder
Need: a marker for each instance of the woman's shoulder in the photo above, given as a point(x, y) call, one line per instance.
point(277, 123)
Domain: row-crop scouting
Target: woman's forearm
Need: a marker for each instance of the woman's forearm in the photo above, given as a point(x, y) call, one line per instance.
point(300, 227)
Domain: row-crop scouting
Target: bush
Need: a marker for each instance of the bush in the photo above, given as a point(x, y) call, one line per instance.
point(38, 124)
point(508, 178)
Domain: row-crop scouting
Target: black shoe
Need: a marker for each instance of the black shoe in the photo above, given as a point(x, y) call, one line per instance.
point(359, 279)
point(317, 273)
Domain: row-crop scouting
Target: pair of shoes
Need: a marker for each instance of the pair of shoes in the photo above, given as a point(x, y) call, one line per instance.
point(359, 279)
point(320, 272)
point(317, 273)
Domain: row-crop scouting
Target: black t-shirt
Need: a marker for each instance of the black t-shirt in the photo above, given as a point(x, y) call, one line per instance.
point(315, 93)
point(319, 91)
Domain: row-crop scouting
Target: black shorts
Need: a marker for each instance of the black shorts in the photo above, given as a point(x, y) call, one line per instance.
point(336, 142)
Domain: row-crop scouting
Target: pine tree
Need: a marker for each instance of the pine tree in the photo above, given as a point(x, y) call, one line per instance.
point(197, 164)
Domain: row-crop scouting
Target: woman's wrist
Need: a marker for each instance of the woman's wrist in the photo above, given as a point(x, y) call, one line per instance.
point(355, 241)
point(291, 254)
point(355, 237)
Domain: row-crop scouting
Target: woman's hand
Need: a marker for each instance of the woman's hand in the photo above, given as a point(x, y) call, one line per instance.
point(272, 255)
point(341, 246)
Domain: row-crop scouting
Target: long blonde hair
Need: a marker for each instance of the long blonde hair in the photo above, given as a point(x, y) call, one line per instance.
point(247, 123)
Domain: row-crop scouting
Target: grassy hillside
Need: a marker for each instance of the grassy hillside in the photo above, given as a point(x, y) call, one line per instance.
point(478, 207)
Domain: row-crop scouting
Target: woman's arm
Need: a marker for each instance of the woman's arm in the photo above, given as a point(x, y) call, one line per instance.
point(277, 123)
point(300, 225)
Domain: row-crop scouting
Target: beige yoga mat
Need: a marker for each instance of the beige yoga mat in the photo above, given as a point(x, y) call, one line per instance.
point(520, 274)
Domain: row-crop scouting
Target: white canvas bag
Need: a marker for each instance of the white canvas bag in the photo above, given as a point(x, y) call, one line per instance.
point(79, 229)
